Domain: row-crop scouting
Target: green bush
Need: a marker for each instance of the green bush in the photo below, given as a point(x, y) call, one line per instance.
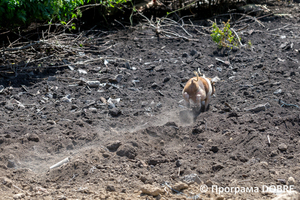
point(223, 37)
point(22, 12)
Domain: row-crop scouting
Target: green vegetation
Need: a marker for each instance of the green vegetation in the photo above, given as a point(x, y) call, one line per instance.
point(223, 37)
point(22, 12)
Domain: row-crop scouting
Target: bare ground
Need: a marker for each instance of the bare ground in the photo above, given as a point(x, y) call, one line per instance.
point(143, 135)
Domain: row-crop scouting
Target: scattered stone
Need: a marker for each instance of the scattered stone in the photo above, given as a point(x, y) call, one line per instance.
point(52, 78)
point(126, 65)
point(279, 91)
point(180, 186)
point(93, 110)
point(19, 196)
point(154, 85)
point(185, 55)
point(119, 77)
point(199, 146)
point(217, 167)
point(258, 108)
point(257, 66)
point(282, 181)
point(166, 79)
point(219, 69)
point(52, 122)
point(93, 84)
point(10, 106)
point(209, 183)
point(115, 112)
point(103, 100)
point(158, 105)
point(214, 149)
point(243, 158)
point(151, 190)
point(274, 153)
point(6, 181)
point(178, 163)
point(291, 181)
point(110, 188)
point(282, 147)
point(114, 145)
point(191, 178)
point(127, 150)
point(67, 99)
point(265, 164)
point(11, 164)
point(275, 83)
point(114, 101)
point(33, 137)
point(111, 106)
point(193, 52)
point(82, 71)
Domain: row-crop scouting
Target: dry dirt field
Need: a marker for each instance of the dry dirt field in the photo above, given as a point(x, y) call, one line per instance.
point(131, 132)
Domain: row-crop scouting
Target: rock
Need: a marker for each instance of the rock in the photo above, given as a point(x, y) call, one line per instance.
point(67, 99)
point(119, 77)
point(217, 167)
point(6, 181)
point(219, 69)
point(114, 145)
point(265, 164)
point(110, 188)
point(279, 91)
point(154, 86)
point(111, 106)
point(115, 112)
point(185, 55)
point(11, 164)
point(291, 181)
point(191, 178)
point(282, 147)
point(166, 79)
point(93, 84)
point(93, 110)
point(282, 181)
point(180, 186)
point(158, 105)
point(19, 196)
point(151, 190)
point(33, 137)
point(52, 122)
point(126, 65)
point(127, 150)
point(214, 149)
point(178, 163)
point(258, 108)
point(274, 153)
point(209, 183)
point(193, 52)
point(199, 146)
point(9, 106)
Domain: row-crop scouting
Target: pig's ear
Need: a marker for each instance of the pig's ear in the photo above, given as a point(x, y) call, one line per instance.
point(215, 79)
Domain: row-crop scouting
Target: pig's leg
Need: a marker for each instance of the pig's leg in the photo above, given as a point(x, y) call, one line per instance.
point(198, 101)
point(187, 99)
point(206, 103)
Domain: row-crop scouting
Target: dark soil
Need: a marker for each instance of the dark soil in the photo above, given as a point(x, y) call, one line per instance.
point(148, 136)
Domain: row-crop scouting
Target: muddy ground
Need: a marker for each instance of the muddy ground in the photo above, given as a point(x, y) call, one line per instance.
point(133, 130)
